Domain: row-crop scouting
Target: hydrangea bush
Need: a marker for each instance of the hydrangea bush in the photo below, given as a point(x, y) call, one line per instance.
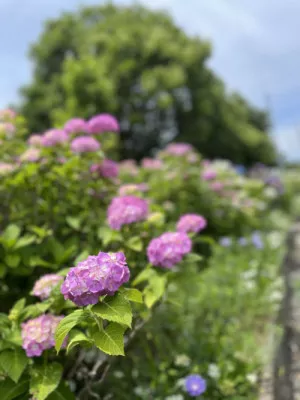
point(102, 258)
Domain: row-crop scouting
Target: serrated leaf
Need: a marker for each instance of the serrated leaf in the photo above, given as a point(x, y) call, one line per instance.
point(45, 379)
point(10, 390)
point(66, 325)
point(24, 241)
point(34, 310)
point(154, 290)
point(144, 276)
point(133, 295)
point(77, 337)
point(192, 258)
point(13, 362)
point(115, 309)
point(135, 243)
point(111, 340)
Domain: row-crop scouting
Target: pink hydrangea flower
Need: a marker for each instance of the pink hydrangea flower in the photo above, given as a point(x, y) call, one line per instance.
point(191, 223)
point(8, 129)
point(168, 249)
point(126, 210)
point(96, 276)
point(208, 174)
point(216, 186)
point(129, 167)
point(32, 155)
point(132, 188)
point(107, 169)
point(84, 144)
point(35, 140)
point(7, 114)
point(179, 149)
point(152, 163)
point(76, 125)
point(43, 286)
point(38, 334)
point(54, 137)
point(103, 123)
point(6, 168)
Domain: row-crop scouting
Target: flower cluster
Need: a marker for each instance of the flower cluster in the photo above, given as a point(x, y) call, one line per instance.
point(132, 188)
point(84, 144)
point(179, 149)
point(76, 125)
point(43, 287)
point(208, 174)
point(126, 210)
point(103, 123)
point(152, 163)
point(195, 385)
point(32, 154)
point(107, 169)
point(191, 223)
point(168, 249)
point(35, 140)
point(38, 334)
point(96, 276)
point(54, 137)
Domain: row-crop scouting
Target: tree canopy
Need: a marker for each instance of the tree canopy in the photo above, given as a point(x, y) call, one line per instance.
point(137, 64)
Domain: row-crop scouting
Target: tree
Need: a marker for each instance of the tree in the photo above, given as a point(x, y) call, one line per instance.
point(138, 65)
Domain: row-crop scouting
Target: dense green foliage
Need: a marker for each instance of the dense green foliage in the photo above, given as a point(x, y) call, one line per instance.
point(140, 66)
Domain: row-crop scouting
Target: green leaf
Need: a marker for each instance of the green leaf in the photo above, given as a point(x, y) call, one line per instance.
point(10, 390)
point(66, 325)
point(77, 337)
point(45, 379)
point(107, 235)
point(115, 309)
point(133, 295)
point(25, 241)
point(10, 235)
point(82, 256)
point(4, 320)
point(12, 260)
point(16, 310)
point(34, 310)
point(63, 272)
point(154, 290)
point(13, 362)
point(73, 222)
point(61, 393)
point(3, 270)
point(145, 275)
point(192, 258)
point(135, 243)
point(111, 340)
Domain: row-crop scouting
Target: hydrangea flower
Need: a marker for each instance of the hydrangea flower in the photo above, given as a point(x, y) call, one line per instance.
point(216, 186)
point(126, 210)
point(94, 277)
point(195, 385)
point(225, 241)
point(38, 334)
point(179, 149)
point(103, 123)
point(168, 249)
point(76, 125)
point(6, 167)
point(43, 286)
point(32, 154)
point(208, 174)
point(129, 167)
point(257, 240)
point(242, 241)
point(84, 144)
point(152, 163)
point(131, 188)
point(35, 140)
point(191, 223)
point(7, 114)
point(54, 137)
point(8, 129)
point(107, 169)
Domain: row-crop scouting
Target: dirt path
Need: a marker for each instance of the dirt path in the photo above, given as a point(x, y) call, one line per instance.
point(281, 379)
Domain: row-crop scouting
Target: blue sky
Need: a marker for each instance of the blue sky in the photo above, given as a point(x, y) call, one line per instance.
point(256, 49)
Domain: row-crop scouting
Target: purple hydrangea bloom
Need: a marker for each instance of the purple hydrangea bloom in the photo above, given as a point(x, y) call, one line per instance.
point(242, 241)
point(225, 241)
point(179, 149)
point(38, 334)
point(257, 240)
point(96, 276)
point(107, 169)
point(84, 144)
point(152, 163)
point(191, 223)
point(216, 186)
point(195, 385)
point(43, 286)
point(168, 249)
point(76, 125)
point(103, 123)
point(126, 210)
point(129, 167)
point(208, 174)
point(54, 137)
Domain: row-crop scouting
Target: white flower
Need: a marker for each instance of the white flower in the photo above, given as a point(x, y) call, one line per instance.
point(270, 192)
point(213, 371)
point(175, 397)
point(249, 274)
point(181, 383)
point(252, 378)
point(182, 360)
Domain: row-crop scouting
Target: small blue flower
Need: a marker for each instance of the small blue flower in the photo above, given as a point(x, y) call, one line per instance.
point(240, 169)
point(257, 240)
point(242, 241)
point(195, 385)
point(225, 241)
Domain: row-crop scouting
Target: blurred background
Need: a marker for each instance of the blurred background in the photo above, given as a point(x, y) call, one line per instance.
point(220, 74)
